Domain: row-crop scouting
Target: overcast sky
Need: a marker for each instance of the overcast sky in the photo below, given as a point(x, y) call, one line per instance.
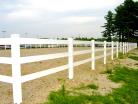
point(54, 18)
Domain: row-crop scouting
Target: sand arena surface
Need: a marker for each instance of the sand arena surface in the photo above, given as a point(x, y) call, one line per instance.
point(36, 91)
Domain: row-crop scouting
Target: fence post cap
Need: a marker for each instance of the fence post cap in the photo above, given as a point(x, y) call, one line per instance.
point(70, 38)
point(15, 35)
point(92, 40)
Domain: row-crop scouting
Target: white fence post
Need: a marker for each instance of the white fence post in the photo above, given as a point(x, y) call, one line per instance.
point(104, 52)
point(16, 69)
point(25, 46)
point(112, 50)
point(70, 57)
point(117, 49)
point(5, 47)
point(123, 48)
point(127, 47)
point(120, 46)
point(93, 54)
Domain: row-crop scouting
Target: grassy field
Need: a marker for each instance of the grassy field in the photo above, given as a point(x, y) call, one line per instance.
point(126, 94)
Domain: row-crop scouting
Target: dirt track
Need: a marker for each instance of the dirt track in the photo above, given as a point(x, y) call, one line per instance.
point(36, 91)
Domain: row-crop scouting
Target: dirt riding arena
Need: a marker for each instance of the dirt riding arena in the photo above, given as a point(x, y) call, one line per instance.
point(36, 91)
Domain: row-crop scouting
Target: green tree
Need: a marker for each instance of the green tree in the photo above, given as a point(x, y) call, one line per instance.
point(109, 26)
point(136, 21)
point(125, 20)
point(123, 23)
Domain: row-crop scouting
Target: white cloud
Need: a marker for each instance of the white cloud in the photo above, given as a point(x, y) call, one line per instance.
point(23, 14)
point(69, 5)
point(84, 19)
point(55, 16)
point(33, 8)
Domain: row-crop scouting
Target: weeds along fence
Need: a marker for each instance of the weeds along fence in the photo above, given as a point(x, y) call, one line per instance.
point(15, 43)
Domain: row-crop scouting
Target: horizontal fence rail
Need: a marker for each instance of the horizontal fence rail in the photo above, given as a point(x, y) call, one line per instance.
point(15, 43)
point(29, 59)
point(7, 79)
point(43, 73)
point(5, 60)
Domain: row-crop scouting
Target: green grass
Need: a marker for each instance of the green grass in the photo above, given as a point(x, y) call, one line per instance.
point(92, 86)
point(108, 71)
point(134, 57)
point(89, 86)
point(126, 94)
point(122, 56)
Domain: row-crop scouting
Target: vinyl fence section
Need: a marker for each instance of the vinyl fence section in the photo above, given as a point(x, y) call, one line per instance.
point(16, 43)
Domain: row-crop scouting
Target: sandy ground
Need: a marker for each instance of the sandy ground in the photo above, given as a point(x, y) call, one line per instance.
point(36, 91)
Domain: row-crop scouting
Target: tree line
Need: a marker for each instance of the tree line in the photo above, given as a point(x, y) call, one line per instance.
point(84, 39)
point(122, 25)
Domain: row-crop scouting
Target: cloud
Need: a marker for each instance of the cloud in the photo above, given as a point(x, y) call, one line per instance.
point(69, 5)
point(24, 9)
point(23, 14)
point(81, 19)
point(55, 16)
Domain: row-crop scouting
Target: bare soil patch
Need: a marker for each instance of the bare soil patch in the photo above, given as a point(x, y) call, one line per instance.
point(129, 63)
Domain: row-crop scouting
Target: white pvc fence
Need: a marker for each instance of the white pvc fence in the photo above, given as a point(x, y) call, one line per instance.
point(16, 60)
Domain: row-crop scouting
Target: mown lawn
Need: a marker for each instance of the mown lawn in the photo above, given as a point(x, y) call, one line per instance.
point(126, 94)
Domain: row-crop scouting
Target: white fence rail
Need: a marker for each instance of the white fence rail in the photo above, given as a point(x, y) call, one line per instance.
point(16, 60)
